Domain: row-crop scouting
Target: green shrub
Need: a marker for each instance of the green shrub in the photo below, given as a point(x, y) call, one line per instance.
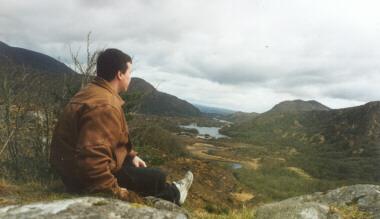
point(158, 138)
point(27, 169)
point(275, 182)
point(210, 209)
point(190, 130)
point(150, 155)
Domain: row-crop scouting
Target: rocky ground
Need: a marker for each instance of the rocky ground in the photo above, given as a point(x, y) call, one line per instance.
point(214, 189)
point(364, 199)
point(358, 201)
point(94, 207)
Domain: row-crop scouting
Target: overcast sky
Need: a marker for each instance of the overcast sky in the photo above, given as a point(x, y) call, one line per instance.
point(240, 55)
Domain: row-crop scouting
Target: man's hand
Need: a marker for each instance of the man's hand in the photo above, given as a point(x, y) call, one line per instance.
point(137, 162)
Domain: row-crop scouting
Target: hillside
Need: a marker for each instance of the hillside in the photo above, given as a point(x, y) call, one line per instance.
point(337, 144)
point(31, 59)
point(159, 103)
point(240, 117)
point(51, 72)
point(297, 105)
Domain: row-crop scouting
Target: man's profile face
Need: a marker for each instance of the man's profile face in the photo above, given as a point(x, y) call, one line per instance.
point(126, 78)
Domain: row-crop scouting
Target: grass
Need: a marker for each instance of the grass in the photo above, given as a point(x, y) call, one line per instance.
point(350, 212)
point(346, 212)
point(34, 191)
point(274, 182)
point(100, 203)
point(330, 145)
point(241, 213)
point(39, 191)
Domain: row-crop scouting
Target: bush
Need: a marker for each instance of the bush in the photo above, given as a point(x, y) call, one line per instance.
point(150, 155)
point(190, 130)
point(27, 169)
point(145, 134)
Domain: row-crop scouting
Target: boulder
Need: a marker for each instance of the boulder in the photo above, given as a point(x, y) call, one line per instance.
point(317, 205)
point(293, 209)
point(349, 195)
point(86, 207)
point(165, 205)
point(36, 116)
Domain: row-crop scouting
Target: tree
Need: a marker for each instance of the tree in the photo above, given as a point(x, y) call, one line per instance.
point(87, 70)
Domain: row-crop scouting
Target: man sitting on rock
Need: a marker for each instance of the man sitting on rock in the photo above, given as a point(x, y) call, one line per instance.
point(91, 148)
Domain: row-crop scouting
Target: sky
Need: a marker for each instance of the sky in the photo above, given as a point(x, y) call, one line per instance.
point(240, 55)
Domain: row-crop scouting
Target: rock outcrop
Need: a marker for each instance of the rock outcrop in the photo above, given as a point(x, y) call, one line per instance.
point(366, 198)
point(165, 205)
point(321, 205)
point(93, 207)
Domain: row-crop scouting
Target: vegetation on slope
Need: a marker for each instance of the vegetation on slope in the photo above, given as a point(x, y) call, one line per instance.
point(159, 103)
point(297, 105)
point(239, 117)
point(337, 144)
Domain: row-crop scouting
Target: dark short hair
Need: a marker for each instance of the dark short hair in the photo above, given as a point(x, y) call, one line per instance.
point(110, 61)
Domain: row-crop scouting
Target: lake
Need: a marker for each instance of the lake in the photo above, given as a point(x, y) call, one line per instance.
point(212, 131)
point(234, 164)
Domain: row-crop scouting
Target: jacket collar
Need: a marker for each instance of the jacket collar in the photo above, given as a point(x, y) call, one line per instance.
point(104, 84)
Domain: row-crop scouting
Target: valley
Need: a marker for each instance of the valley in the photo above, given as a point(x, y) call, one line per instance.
point(278, 160)
point(239, 160)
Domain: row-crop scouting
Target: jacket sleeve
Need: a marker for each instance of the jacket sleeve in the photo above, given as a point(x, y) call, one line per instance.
point(99, 132)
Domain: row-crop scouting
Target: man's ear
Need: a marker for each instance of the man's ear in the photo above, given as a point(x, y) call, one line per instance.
point(119, 75)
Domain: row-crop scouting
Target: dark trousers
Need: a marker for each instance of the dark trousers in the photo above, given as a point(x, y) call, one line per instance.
point(146, 181)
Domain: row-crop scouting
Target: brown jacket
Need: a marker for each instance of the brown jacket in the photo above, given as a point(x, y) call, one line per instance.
point(91, 140)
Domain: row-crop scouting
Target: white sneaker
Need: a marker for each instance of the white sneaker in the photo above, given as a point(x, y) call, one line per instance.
point(183, 186)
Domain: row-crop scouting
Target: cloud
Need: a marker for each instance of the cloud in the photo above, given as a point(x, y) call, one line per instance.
point(253, 52)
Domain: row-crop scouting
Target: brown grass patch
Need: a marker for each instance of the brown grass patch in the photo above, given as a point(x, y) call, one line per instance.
point(299, 172)
point(242, 197)
point(350, 212)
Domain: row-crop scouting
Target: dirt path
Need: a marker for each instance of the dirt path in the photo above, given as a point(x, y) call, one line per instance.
point(299, 172)
point(199, 150)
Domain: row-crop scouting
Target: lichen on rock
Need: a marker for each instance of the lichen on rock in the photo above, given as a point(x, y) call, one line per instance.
point(85, 207)
point(317, 205)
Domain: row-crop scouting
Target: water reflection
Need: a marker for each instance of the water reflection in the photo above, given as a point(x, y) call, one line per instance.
point(234, 164)
point(209, 148)
point(204, 131)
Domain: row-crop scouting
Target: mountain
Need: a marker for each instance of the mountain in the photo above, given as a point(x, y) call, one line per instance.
point(52, 71)
point(31, 59)
point(240, 117)
point(159, 103)
point(213, 110)
point(338, 144)
point(297, 105)
point(36, 72)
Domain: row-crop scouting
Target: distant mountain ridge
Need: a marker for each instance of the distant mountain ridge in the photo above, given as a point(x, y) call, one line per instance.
point(213, 110)
point(53, 70)
point(159, 103)
point(297, 105)
point(31, 59)
point(240, 117)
